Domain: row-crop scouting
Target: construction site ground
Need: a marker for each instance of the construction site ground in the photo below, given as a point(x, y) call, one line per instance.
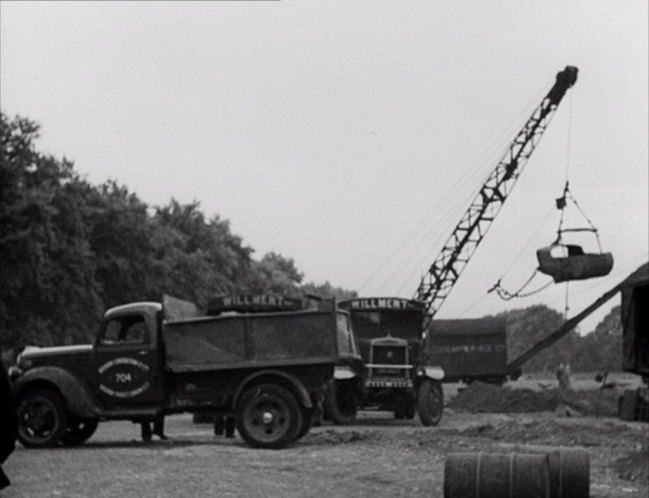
point(376, 457)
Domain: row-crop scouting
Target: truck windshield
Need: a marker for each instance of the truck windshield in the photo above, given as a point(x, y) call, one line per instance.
point(127, 329)
point(404, 324)
point(346, 343)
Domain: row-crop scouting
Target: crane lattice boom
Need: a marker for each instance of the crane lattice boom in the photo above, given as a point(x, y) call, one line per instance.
point(438, 282)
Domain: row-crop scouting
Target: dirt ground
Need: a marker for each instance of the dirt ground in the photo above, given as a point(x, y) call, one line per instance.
point(377, 457)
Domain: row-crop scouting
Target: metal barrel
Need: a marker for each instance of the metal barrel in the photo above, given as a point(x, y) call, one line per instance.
point(569, 473)
point(496, 475)
point(569, 468)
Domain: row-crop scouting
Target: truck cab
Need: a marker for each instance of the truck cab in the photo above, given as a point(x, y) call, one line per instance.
point(128, 364)
point(395, 377)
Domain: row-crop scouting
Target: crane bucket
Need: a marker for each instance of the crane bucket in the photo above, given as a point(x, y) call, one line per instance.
point(573, 266)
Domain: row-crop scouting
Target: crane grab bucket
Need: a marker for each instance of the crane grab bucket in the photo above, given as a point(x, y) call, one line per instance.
point(569, 262)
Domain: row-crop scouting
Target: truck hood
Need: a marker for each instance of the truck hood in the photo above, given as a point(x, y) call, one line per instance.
point(36, 352)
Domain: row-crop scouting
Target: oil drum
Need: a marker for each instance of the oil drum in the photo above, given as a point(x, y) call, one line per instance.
point(569, 469)
point(496, 475)
point(569, 473)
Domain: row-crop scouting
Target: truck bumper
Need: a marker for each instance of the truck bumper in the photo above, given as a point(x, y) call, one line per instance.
point(389, 383)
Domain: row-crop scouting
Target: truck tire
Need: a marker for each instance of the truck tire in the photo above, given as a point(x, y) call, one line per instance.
point(42, 418)
point(340, 404)
point(430, 402)
point(268, 416)
point(79, 430)
point(308, 415)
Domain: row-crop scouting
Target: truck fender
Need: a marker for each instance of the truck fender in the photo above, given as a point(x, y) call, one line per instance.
point(275, 375)
point(436, 373)
point(77, 398)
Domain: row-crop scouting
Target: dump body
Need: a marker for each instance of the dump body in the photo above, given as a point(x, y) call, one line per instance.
point(467, 350)
point(256, 341)
point(206, 352)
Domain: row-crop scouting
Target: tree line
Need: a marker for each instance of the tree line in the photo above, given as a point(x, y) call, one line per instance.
point(597, 351)
point(70, 249)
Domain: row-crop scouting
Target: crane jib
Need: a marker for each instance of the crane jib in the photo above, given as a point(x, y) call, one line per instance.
point(438, 282)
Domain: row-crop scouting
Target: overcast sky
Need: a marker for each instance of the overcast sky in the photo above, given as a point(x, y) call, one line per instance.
point(351, 136)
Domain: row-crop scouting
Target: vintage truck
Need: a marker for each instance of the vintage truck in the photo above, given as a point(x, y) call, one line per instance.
point(396, 376)
point(405, 368)
point(266, 369)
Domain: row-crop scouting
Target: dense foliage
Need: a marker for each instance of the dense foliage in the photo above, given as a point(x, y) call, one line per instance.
point(69, 249)
point(599, 351)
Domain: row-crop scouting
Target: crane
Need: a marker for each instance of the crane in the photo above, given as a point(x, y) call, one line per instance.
point(399, 374)
point(437, 283)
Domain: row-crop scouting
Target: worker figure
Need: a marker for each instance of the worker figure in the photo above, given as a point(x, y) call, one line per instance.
point(563, 376)
point(158, 428)
point(224, 424)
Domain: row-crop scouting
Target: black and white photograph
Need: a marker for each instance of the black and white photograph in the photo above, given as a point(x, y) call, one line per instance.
point(281, 248)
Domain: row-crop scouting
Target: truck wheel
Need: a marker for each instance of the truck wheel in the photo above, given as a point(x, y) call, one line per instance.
point(79, 430)
point(430, 402)
point(308, 415)
point(340, 403)
point(42, 419)
point(268, 416)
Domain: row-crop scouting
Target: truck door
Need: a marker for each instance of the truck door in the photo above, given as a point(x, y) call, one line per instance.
point(128, 367)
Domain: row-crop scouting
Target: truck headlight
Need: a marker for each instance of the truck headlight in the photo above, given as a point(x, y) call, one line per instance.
point(343, 373)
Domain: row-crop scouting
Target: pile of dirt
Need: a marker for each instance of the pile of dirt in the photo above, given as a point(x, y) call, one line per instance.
point(481, 397)
point(634, 466)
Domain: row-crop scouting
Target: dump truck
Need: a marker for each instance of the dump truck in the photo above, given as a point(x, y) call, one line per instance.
point(394, 377)
point(268, 369)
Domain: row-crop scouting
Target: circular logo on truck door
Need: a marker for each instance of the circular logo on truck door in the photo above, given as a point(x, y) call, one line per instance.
point(124, 377)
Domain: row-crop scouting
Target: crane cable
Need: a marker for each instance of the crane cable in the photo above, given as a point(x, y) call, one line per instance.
point(567, 192)
point(561, 203)
point(506, 295)
point(446, 211)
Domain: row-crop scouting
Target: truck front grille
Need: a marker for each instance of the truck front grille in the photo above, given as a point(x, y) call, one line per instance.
point(389, 355)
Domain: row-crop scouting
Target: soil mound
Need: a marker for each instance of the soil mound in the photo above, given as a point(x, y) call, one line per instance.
point(481, 397)
point(634, 466)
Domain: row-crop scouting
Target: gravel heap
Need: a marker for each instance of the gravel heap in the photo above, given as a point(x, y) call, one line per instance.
point(480, 397)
